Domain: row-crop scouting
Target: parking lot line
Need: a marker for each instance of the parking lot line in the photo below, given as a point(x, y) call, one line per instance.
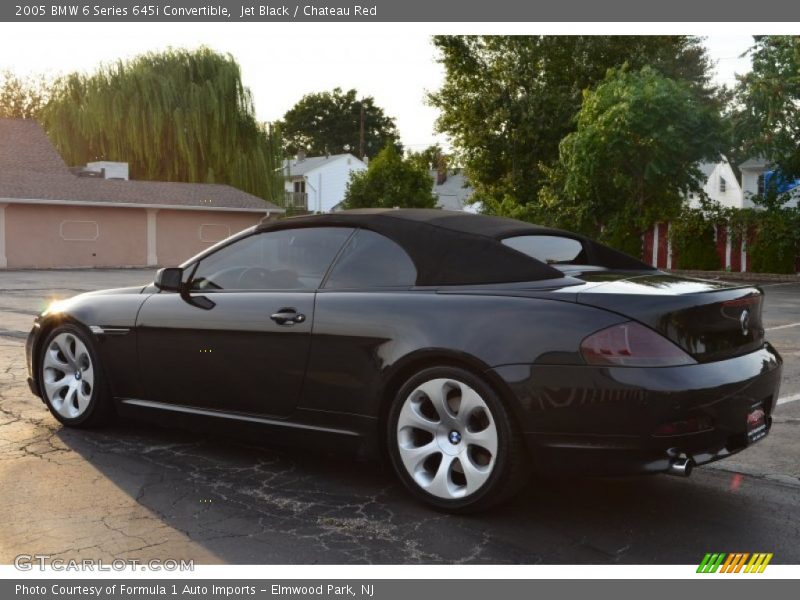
point(787, 399)
point(782, 327)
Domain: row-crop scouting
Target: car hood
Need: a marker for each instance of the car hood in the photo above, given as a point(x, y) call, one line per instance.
point(134, 289)
point(65, 305)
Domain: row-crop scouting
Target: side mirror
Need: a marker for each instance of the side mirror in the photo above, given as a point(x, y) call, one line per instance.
point(169, 279)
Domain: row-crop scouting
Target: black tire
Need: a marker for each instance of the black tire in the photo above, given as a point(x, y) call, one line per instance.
point(510, 471)
point(99, 410)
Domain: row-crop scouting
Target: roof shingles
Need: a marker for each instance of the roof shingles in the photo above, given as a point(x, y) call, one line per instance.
point(31, 169)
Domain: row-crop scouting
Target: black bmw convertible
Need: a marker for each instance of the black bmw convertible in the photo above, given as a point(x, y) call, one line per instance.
point(470, 349)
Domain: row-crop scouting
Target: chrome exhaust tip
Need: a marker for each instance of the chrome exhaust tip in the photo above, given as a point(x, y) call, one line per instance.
point(681, 467)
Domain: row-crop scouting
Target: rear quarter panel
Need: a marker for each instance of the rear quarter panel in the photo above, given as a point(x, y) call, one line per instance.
point(362, 339)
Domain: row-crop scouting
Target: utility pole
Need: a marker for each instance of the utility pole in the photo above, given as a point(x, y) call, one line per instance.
point(361, 134)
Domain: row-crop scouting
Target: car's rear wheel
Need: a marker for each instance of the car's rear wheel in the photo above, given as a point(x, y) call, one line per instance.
point(452, 441)
point(72, 379)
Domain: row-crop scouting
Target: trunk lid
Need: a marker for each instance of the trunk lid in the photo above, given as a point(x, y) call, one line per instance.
point(711, 320)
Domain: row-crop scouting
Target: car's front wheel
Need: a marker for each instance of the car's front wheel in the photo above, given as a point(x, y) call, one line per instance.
point(72, 379)
point(452, 441)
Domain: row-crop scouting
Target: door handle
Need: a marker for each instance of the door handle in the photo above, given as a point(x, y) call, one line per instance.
point(287, 316)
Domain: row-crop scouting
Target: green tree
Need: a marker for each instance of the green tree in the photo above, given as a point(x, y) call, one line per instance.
point(767, 121)
point(432, 157)
point(390, 181)
point(632, 158)
point(22, 98)
point(507, 101)
point(174, 116)
point(330, 123)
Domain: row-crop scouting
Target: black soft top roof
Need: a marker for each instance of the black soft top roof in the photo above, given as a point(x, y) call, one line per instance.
point(459, 248)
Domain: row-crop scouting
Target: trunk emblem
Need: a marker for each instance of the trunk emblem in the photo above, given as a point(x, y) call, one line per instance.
point(744, 321)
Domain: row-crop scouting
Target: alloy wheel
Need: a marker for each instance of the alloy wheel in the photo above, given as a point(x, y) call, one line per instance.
point(447, 439)
point(68, 375)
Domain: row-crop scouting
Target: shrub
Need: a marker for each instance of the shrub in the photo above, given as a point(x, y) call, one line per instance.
point(773, 232)
point(692, 238)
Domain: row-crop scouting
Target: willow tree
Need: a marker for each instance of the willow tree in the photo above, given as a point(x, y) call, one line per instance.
point(22, 97)
point(174, 116)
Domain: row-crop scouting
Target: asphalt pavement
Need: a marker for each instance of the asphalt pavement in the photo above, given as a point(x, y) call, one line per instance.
point(144, 491)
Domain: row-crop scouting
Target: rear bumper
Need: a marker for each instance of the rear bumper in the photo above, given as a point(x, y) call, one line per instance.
point(603, 420)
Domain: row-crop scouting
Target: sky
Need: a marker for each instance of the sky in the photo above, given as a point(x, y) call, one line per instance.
point(394, 63)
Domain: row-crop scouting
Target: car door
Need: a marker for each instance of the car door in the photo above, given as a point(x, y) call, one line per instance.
point(238, 339)
point(360, 322)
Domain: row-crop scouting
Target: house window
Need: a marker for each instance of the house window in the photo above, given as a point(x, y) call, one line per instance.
point(761, 185)
point(300, 187)
point(722, 185)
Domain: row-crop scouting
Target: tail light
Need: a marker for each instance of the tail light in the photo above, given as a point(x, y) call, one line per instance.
point(632, 345)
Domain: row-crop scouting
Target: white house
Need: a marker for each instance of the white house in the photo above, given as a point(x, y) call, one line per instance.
point(318, 183)
point(720, 184)
point(753, 174)
point(451, 189)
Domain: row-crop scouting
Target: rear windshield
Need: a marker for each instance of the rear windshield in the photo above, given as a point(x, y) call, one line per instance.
point(550, 249)
point(566, 253)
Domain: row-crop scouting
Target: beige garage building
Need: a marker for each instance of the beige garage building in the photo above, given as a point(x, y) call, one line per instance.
point(52, 216)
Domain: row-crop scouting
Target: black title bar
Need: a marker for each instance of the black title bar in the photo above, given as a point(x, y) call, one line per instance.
point(452, 11)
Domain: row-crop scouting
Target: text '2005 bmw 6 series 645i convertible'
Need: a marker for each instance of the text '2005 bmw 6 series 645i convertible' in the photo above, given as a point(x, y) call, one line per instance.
point(471, 350)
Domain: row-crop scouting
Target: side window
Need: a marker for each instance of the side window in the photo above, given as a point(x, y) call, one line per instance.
point(371, 260)
point(290, 259)
point(550, 249)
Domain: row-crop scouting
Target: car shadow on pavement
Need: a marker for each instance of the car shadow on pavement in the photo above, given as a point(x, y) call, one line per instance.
point(252, 504)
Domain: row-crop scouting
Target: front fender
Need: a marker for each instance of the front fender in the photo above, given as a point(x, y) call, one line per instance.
point(109, 320)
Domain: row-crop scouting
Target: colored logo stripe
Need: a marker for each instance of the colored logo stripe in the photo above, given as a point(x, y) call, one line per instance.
point(740, 564)
point(734, 562)
point(711, 563)
point(729, 562)
point(758, 563)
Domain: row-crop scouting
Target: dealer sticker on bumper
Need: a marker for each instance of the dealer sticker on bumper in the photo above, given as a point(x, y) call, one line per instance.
point(756, 423)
